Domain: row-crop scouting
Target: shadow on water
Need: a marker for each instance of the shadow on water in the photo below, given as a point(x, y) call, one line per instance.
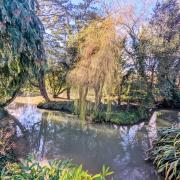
point(54, 135)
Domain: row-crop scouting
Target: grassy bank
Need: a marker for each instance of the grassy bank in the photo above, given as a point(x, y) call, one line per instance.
point(119, 117)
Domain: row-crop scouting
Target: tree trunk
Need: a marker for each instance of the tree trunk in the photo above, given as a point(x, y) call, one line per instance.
point(98, 95)
point(82, 102)
point(109, 104)
point(55, 96)
point(42, 86)
point(119, 94)
point(18, 123)
point(10, 100)
point(69, 93)
point(15, 90)
point(96, 91)
point(152, 79)
point(128, 94)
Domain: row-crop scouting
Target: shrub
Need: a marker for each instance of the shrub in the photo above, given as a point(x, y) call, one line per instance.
point(54, 170)
point(120, 118)
point(166, 153)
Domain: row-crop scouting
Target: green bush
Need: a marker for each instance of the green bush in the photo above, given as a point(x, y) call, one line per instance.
point(166, 153)
point(124, 118)
point(120, 118)
point(54, 170)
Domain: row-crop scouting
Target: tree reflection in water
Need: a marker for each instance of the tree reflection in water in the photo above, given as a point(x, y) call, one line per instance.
point(54, 135)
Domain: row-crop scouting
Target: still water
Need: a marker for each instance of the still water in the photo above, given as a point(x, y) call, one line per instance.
point(55, 135)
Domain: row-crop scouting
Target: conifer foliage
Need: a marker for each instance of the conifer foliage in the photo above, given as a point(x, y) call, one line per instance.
point(21, 46)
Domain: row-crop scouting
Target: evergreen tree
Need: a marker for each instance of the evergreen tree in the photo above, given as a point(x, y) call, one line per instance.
point(21, 48)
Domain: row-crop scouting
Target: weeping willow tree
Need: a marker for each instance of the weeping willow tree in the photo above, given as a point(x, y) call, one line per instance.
point(21, 48)
point(97, 63)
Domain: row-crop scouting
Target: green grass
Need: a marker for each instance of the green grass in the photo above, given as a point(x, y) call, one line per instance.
point(166, 153)
point(54, 170)
point(119, 118)
point(122, 117)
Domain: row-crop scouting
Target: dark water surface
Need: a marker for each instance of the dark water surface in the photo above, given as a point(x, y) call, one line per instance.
point(54, 135)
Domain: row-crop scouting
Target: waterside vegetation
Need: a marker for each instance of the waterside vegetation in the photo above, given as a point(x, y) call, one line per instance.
point(166, 153)
point(104, 62)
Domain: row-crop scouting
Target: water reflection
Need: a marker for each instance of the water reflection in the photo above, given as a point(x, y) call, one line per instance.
point(54, 135)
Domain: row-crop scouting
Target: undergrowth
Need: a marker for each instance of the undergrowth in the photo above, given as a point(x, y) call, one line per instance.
point(166, 153)
point(31, 169)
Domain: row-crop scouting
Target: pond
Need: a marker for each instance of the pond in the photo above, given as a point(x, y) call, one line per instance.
point(56, 135)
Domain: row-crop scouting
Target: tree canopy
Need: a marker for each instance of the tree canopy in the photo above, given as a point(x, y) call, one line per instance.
point(21, 45)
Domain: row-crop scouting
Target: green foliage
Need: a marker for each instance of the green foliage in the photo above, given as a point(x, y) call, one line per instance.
point(119, 118)
point(155, 53)
point(56, 79)
point(21, 31)
point(122, 117)
point(166, 153)
point(63, 19)
point(21, 45)
point(79, 174)
point(65, 170)
point(165, 47)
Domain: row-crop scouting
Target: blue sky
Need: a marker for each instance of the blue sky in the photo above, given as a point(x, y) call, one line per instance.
point(137, 3)
point(76, 1)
